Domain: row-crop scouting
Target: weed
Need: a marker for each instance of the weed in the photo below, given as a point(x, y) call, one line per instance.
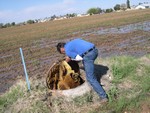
point(123, 67)
point(10, 97)
point(83, 99)
point(112, 94)
point(39, 107)
point(144, 79)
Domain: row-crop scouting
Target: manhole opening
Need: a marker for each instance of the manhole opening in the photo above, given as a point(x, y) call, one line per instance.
point(64, 75)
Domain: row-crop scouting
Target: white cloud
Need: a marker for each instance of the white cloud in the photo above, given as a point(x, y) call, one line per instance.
point(37, 12)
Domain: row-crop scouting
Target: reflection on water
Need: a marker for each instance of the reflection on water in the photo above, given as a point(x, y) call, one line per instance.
point(145, 26)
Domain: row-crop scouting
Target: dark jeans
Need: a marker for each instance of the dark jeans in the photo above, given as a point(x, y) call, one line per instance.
point(88, 62)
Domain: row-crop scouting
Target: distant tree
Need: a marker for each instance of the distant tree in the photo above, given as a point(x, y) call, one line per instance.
point(94, 11)
point(13, 24)
point(53, 17)
point(7, 25)
point(109, 10)
point(99, 10)
point(21, 23)
point(71, 15)
point(117, 7)
point(128, 4)
point(36, 20)
point(74, 14)
point(1, 25)
point(30, 21)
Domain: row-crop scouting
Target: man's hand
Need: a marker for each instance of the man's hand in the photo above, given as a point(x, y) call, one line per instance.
point(67, 59)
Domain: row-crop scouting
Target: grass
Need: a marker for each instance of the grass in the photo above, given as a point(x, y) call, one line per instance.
point(120, 100)
point(123, 67)
point(10, 98)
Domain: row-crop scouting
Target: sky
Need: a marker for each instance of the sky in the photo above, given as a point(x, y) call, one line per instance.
point(22, 10)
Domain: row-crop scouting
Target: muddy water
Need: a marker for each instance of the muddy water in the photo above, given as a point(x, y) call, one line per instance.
point(145, 26)
point(134, 45)
point(126, 29)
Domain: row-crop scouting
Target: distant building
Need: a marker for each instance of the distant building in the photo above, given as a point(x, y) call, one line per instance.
point(143, 6)
point(82, 15)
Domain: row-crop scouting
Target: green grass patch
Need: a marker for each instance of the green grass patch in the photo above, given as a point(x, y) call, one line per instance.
point(10, 97)
point(145, 80)
point(123, 66)
point(127, 68)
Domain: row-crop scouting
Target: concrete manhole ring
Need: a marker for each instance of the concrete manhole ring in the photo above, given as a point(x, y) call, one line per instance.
point(74, 92)
point(66, 79)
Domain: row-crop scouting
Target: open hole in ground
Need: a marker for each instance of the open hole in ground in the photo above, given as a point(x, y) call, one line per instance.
point(66, 79)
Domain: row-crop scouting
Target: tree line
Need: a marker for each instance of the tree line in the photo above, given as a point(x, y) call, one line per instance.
point(117, 7)
point(91, 11)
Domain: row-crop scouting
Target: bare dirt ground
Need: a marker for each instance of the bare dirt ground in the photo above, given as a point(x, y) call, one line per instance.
point(133, 39)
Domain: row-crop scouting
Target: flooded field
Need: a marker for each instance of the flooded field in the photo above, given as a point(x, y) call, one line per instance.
point(145, 26)
point(132, 39)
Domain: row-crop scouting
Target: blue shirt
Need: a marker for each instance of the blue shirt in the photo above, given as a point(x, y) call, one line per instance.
point(77, 47)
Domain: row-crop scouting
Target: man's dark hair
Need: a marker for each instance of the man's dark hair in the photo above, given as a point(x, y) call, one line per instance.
point(60, 45)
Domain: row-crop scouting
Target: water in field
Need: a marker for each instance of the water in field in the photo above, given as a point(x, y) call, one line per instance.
point(127, 28)
point(145, 26)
